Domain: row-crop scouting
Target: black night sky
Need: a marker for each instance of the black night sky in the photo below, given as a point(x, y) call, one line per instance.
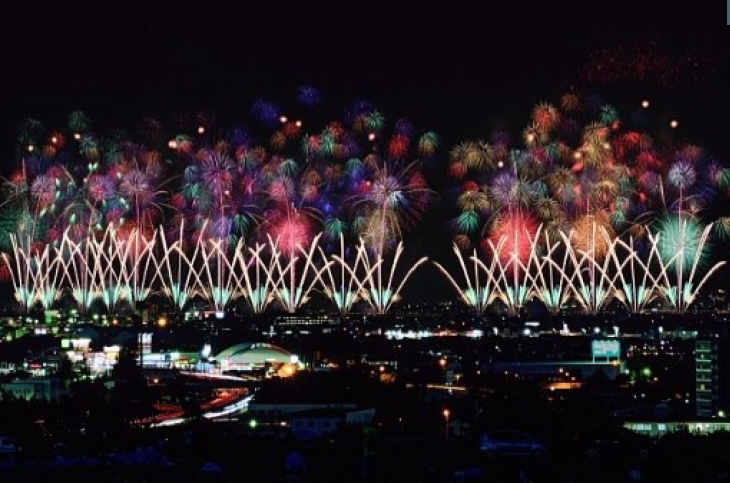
point(461, 69)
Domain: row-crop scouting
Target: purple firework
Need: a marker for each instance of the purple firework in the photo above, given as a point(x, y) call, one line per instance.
point(309, 96)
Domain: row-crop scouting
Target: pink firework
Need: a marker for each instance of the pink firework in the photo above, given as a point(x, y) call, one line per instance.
point(516, 232)
point(248, 185)
point(309, 192)
point(43, 190)
point(100, 188)
point(135, 183)
point(292, 232)
point(281, 189)
point(217, 171)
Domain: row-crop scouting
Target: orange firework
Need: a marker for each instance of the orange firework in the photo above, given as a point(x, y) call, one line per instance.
point(592, 235)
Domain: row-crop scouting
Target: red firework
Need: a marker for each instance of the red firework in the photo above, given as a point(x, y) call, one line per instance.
point(17, 178)
point(291, 130)
point(457, 170)
point(648, 160)
point(545, 116)
point(398, 146)
point(177, 201)
point(313, 143)
point(516, 233)
point(470, 186)
point(4, 271)
point(291, 233)
point(336, 129)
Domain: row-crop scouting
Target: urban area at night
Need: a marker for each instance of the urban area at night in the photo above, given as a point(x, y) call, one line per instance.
point(280, 243)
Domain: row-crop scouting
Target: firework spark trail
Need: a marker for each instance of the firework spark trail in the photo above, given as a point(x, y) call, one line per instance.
point(590, 282)
point(81, 270)
point(217, 286)
point(50, 273)
point(343, 290)
point(550, 286)
point(21, 273)
point(26, 272)
point(376, 291)
point(593, 285)
point(144, 267)
point(515, 281)
point(257, 278)
point(176, 279)
point(291, 288)
point(114, 280)
point(640, 287)
point(683, 293)
point(477, 294)
point(100, 268)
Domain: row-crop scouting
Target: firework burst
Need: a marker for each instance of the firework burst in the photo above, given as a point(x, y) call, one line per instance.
point(581, 205)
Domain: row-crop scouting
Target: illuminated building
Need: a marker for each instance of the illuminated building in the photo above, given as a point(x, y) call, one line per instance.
point(258, 358)
point(707, 384)
point(34, 388)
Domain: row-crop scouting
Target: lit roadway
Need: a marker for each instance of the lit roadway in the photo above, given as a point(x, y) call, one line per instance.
point(226, 401)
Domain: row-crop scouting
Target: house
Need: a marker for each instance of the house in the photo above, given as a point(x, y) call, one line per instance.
point(315, 423)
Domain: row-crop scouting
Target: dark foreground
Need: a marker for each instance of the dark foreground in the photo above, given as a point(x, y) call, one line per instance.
point(232, 452)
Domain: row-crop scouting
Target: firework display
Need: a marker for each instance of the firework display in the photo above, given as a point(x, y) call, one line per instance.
point(588, 210)
point(209, 213)
point(585, 210)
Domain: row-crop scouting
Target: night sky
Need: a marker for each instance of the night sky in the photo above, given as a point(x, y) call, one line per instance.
point(461, 69)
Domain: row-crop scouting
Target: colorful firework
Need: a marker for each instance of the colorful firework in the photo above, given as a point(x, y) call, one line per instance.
point(597, 190)
point(586, 210)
